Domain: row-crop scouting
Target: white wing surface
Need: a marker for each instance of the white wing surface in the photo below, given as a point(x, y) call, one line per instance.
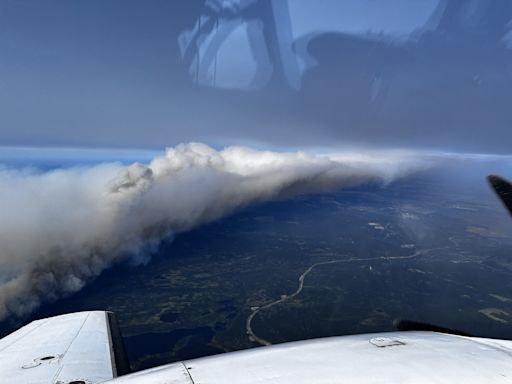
point(398, 357)
point(72, 348)
point(79, 349)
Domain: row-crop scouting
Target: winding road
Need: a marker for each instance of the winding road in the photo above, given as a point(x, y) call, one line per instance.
point(302, 277)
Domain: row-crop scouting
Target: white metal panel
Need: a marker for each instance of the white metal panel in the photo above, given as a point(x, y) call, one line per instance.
point(397, 357)
point(166, 374)
point(57, 350)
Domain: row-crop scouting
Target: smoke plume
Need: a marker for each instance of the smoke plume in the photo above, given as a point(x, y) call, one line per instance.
point(60, 229)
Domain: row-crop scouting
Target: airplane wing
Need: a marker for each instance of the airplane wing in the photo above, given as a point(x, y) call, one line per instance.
point(78, 348)
point(395, 357)
point(503, 189)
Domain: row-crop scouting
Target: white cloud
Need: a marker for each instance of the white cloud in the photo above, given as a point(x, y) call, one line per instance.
point(61, 229)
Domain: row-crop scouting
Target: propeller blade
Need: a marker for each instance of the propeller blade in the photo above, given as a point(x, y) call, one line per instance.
point(503, 189)
point(408, 325)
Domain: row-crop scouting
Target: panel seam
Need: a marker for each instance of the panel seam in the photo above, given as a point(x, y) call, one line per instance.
point(188, 373)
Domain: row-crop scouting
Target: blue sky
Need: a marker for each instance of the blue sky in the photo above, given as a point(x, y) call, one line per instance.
point(133, 74)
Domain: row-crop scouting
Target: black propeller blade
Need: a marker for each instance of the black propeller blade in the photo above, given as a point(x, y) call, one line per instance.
point(408, 325)
point(503, 189)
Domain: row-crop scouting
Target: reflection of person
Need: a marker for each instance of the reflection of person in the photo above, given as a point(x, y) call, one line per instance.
point(454, 72)
point(351, 74)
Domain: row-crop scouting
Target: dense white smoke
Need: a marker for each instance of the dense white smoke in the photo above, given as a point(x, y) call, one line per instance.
point(60, 229)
